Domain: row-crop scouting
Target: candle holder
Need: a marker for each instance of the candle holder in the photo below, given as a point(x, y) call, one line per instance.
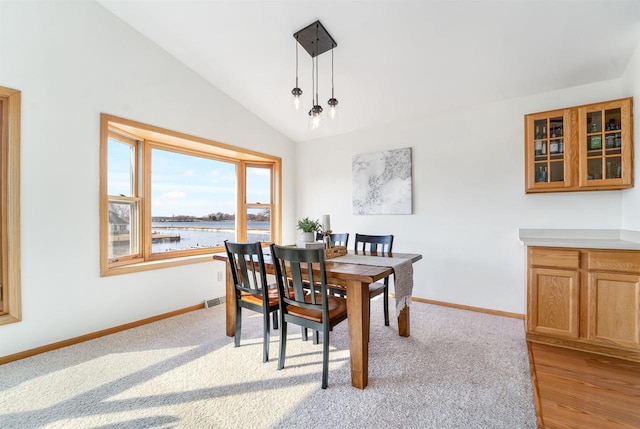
point(327, 239)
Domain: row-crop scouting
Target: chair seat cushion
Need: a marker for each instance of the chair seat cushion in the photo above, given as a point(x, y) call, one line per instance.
point(257, 299)
point(337, 308)
point(376, 289)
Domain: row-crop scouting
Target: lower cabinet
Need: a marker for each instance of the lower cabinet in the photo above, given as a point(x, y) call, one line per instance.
point(614, 298)
point(583, 335)
point(613, 310)
point(553, 301)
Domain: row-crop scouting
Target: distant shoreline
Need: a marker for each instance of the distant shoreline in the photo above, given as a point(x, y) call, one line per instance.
point(204, 228)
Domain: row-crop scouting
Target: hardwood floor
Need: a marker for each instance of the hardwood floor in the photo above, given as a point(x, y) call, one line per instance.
point(575, 389)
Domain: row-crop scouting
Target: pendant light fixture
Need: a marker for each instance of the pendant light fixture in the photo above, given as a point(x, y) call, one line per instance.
point(296, 92)
point(333, 102)
point(315, 39)
point(315, 114)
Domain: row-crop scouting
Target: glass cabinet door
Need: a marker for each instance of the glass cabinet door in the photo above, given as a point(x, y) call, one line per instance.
point(604, 144)
point(546, 150)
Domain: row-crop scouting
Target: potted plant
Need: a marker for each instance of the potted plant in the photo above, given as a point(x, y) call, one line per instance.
point(309, 228)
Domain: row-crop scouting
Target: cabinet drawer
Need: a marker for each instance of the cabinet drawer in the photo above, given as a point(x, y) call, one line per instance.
point(560, 258)
point(619, 261)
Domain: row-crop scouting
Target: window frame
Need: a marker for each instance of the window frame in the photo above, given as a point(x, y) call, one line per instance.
point(149, 137)
point(146, 226)
point(11, 310)
point(247, 205)
point(131, 199)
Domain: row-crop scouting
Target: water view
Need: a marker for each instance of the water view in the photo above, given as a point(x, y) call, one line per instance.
point(171, 236)
point(190, 235)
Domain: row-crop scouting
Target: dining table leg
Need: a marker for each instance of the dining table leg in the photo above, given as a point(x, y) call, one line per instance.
point(358, 322)
point(230, 303)
point(404, 328)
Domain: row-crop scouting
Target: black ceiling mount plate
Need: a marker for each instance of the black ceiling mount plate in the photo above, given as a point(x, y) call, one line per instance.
point(315, 39)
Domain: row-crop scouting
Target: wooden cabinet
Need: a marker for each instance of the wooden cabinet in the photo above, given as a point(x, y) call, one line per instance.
point(580, 148)
point(589, 297)
point(605, 145)
point(553, 294)
point(614, 309)
point(583, 335)
point(549, 153)
point(614, 299)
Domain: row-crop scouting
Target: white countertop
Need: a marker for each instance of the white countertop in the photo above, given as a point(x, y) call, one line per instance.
point(582, 238)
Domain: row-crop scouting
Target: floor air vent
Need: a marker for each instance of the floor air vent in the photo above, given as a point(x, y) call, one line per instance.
point(212, 302)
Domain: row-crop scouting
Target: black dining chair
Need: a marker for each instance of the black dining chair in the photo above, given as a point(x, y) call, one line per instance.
point(377, 244)
point(305, 303)
point(337, 239)
point(251, 288)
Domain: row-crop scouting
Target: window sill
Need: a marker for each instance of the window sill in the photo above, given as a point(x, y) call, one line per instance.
point(5, 319)
point(155, 265)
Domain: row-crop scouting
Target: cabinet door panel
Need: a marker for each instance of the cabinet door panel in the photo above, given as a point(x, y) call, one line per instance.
point(614, 309)
point(605, 145)
point(548, 152)
point(553, 302)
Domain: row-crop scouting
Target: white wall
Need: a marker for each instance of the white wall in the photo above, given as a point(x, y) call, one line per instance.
point(72, 61)
point(631, 197)
point(468, 191)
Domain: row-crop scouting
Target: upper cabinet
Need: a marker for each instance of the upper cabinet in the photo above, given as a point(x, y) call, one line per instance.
point(549, 151)
point(580, 148)
point(605, 142)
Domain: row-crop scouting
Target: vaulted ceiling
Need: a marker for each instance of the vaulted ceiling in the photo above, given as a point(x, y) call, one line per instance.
point(396, 60)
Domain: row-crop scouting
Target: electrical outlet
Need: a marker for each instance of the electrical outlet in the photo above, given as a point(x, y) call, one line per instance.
point(219, 276)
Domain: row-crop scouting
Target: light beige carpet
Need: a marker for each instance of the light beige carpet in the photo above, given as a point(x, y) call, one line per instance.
point(458, 369)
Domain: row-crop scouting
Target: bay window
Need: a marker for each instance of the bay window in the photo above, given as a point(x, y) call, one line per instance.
point(168, 198)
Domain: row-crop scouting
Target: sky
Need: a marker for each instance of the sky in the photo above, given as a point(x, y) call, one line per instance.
point(184, 184)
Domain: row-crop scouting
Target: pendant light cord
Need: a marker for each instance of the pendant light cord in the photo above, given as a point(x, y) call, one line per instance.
point(297, 62)
point(332, 72)
point(313, 82)
point(317, 98)
point(317, 48)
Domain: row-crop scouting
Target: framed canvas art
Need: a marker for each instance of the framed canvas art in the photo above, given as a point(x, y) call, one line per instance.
point(381, 182)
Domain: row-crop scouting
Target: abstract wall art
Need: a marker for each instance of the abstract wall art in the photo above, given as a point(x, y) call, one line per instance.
point(381, 182)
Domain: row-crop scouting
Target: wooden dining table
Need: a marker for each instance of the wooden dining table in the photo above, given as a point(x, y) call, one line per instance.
point(356, 278)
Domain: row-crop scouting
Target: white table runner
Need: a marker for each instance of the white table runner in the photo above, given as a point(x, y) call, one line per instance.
point(402, 273)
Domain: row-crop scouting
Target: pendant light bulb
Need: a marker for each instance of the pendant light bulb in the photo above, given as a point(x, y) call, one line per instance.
point(315, 116)
point(296, 93)
point(333, 107)
point(333, 101)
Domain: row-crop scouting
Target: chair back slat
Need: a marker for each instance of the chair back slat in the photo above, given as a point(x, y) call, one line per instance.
point(374, 243)
point(280, 266)
point(314, 285)
point(337, 239)
point(296, 278)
